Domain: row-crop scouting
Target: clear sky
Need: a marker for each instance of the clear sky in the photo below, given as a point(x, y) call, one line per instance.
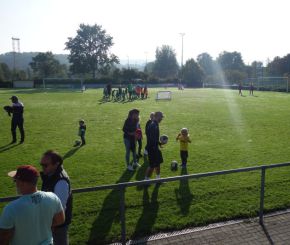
point(259, 29)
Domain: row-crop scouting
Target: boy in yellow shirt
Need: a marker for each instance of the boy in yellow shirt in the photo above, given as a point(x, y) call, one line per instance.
point(184, 139)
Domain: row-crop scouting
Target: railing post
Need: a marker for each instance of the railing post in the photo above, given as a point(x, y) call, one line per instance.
point(122, 215)
point(262, 191)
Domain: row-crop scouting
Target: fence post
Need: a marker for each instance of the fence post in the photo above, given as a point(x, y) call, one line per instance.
point(262, 191)
point(122, 215)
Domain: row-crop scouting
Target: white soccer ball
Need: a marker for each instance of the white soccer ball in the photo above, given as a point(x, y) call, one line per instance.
point(174, 166)
point(77, 143)
point(163, 139)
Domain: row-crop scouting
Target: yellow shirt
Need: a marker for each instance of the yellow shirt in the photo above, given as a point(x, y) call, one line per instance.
point(184, 140)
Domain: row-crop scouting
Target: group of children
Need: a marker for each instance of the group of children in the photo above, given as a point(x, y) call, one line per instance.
point(121, 94)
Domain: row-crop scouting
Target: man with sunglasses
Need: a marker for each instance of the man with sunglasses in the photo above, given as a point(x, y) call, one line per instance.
point(56, 180)
point(29, 219)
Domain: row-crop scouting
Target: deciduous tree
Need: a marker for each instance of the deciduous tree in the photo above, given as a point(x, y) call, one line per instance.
point(89, 50)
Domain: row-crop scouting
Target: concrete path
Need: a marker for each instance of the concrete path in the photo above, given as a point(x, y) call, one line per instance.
point(276, 230)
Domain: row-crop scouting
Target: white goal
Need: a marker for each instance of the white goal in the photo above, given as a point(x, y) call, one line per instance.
point(163, 95)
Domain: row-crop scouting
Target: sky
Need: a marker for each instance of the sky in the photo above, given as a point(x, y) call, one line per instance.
point(258, 29)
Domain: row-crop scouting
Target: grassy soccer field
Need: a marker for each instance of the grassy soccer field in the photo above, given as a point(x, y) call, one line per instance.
point(227, 132)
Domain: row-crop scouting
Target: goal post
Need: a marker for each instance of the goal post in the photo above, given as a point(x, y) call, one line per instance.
point(60, 83)
point(280, 84)
point(163, 95)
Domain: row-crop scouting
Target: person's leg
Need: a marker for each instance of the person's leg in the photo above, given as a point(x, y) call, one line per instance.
point(148, 173)
point(139, 147)
point(21, 129)
point(13, 130)
point(157, 169)
point(83, 139)
point(133, 149)
point(183, 158)
point(60, 235)
point(127, 147)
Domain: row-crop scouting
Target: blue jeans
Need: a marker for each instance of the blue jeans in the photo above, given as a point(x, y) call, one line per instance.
point(130, 146)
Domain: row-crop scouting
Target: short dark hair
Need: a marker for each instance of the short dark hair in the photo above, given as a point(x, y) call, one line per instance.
point(54, 156)
point(133, 111)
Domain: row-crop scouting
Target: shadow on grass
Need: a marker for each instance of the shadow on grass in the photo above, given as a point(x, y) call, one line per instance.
point(4, 146)
point(70, 152)
point(148, 217)
point(104, 100)
point(140, 175)
point(8, 147)
point(108, 214)
point(183, 194)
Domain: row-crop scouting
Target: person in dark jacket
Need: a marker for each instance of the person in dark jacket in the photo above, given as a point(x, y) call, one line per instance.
point(17, 110)
point(147, 131)
point(129, 129)
point(154, 154)
point(56, 180)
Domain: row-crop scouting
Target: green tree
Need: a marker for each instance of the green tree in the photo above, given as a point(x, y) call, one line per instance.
point(206, 62)
point(231, 61)
point(148, 69)
point(89, 50)
point(192, 73)
point(165, 65)
point(5, 73)
point(45, 65)
point(279, 66)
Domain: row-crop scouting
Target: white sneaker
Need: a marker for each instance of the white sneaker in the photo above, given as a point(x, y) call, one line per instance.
point(130, 168)
point(135, 164)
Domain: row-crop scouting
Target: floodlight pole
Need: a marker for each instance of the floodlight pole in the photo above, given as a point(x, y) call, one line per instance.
point(15, 49)
point(181, 73)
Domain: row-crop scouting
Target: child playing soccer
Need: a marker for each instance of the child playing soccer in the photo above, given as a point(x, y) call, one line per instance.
point(184, 139)
point(82, 131)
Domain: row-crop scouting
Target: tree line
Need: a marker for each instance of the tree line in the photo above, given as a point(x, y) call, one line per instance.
point(90, 58)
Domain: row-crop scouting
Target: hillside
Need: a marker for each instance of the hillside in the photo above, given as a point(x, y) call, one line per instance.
point(23, 59)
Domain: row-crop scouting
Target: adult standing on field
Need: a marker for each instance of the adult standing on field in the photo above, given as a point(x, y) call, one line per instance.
point(17, 110)
point(129, 130)
point(154, 154)
point(30, 218)
point(147, 131)
point(56, 180)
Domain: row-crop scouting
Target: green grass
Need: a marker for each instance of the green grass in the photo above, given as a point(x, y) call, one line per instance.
point(227, 132)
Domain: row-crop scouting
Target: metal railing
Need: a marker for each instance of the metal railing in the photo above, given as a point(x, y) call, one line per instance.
point(122, 187)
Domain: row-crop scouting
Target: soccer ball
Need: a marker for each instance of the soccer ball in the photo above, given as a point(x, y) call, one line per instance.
point(77, 143)
point(174, 166)
point(163, 139)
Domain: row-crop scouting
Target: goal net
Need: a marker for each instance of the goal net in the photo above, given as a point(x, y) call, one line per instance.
point(280, 84)
point(59, 83)
point(163, 95)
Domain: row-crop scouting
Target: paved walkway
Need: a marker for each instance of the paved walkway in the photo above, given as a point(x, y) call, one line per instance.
point(276, 230)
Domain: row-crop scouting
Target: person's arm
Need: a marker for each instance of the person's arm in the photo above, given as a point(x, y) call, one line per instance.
point(58, 219)
point(127, 129)
point(177, 137)
point(61, 189)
